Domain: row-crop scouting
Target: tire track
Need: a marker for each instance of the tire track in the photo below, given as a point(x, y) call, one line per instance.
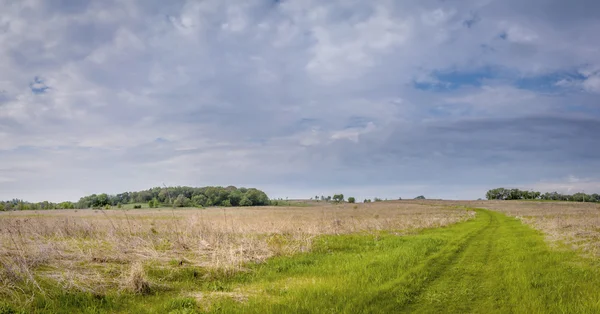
point(409, 287)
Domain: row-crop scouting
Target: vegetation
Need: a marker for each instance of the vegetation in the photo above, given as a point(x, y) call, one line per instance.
point(147, 260)
point(351, 200)
point(180, 196)
point(489, 264)
point(420, 197)
point(516, 194)
point(338, 198)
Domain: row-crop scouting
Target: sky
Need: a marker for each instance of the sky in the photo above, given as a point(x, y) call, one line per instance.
point(386, 99)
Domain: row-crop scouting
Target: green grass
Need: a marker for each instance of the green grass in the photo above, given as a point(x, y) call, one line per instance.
point(491, 264)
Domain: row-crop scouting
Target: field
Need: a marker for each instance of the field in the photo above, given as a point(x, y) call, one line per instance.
point(397, 256)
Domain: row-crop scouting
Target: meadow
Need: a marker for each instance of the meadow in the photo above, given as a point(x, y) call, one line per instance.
point(382, 257)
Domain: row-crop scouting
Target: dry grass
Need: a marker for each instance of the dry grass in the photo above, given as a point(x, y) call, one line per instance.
point(137, 282)
point(93, 250)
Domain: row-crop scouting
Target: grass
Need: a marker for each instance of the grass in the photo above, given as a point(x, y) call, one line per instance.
point(489, 264)
point(492, 264)
point(95, 252)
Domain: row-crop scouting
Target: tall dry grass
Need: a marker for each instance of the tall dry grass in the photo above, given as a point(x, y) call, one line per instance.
point(95, 250)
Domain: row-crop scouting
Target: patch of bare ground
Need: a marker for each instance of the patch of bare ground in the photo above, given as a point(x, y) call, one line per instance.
point(95, 250)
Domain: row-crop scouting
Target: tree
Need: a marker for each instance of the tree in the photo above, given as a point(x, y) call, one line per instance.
point(102, 200)
point(181, 201)
point(245, 201)
point(153, 203)
point(420, 197)
point(199, 200)
point(338, 198)
point(235, 197)
point(351, 200)
point(257, 197)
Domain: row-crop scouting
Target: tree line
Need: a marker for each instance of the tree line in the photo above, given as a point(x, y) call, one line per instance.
point(180, 196)
point(516, 194)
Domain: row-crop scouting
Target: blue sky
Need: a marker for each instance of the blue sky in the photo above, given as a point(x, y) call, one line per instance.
point(300, 98)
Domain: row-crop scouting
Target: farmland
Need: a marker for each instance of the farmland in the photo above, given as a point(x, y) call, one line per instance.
point(412, 256)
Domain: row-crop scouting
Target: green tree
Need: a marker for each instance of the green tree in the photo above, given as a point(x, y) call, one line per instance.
point(420, 197)
point(338, 198)
point(199, 200)
point(245, 201)
point(351, 200)
point(181, 201)
point(153, 203)
point(257, 197)
point(235, 197)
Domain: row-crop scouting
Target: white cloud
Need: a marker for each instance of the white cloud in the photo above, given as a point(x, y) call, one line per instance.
point(592, 84)
point(304, 93)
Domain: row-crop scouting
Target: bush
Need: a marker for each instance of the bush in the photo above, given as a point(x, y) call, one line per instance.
point(351, 200)
point(377, 199)
point(367, 201)
point(420, 197)
point(137, 206)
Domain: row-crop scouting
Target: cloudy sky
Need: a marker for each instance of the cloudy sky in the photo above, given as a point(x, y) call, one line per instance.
point(368, 98)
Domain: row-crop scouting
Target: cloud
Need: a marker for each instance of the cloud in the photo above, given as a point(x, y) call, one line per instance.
point(38, 86)
point(592, 84)
point(441, 98)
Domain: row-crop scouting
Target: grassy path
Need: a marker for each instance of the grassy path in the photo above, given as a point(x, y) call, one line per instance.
point(492, 264)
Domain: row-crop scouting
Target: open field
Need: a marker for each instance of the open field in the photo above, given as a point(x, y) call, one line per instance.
point(397, 256)
point(95, 250)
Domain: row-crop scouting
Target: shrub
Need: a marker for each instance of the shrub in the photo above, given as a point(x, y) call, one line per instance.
point(351, 200)
point(367, 201)
point(137, 206)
